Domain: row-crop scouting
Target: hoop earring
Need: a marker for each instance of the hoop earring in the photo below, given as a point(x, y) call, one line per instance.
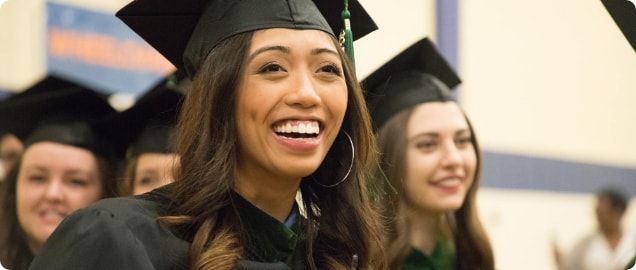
point(353, 156)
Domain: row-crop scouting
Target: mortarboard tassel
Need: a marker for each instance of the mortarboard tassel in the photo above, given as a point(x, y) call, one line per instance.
point(346, 37)
point(172, 82)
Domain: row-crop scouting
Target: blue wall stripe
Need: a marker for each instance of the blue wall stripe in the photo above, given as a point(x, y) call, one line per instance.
point(447, 30)
point(524, 172)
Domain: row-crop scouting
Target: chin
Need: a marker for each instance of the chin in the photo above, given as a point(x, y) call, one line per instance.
point(300, 167)
point(301, 172)
point(451, 206)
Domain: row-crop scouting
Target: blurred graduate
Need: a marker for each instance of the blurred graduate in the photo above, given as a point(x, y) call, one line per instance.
point(429, 165)
point(65, 166)
point(147, 132)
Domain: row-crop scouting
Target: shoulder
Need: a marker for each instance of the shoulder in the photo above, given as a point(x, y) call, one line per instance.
point(131, 210)
point(118, 233)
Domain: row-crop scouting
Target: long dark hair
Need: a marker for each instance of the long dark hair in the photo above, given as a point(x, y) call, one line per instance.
point(341, 222)
point(473, 250)
point(14, 250)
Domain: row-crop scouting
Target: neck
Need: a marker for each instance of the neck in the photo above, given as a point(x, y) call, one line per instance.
point(273, 196)
point(424, 230)
point(34, 246)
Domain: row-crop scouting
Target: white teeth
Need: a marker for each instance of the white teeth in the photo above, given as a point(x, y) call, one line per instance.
point(449, 183)
point(304, 127)
point(53, 215)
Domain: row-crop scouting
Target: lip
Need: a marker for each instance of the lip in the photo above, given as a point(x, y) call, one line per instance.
point(299, 145)
point(321, 123)
point(54, 218)
point(448, 184)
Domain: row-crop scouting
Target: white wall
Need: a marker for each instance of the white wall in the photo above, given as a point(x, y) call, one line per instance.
point(401, 23)
point(22, 50)
point(549, 78)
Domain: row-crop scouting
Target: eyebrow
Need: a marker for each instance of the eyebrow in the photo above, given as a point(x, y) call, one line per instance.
point(435, 134)
point(153, 172)
point(324, 50)
point(286, 50)
point(38, 168)
point(423, 134)
point(79, 172)
point(279, 48)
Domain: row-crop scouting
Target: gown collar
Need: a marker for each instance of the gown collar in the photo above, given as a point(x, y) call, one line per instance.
point(265, 238)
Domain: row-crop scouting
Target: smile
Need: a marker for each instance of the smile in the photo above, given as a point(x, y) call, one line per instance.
point(51, 216)
point(297, 129)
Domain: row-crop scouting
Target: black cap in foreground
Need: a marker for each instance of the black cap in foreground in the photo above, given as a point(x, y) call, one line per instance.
point(185, 31)
point(624, 14)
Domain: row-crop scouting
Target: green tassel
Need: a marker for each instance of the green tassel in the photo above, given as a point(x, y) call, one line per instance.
point(172, 82)
point(347, 33)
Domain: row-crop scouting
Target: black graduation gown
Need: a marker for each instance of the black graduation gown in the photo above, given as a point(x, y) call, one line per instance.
point(123, 233)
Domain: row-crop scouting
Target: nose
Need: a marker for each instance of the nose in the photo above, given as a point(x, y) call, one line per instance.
point(451, 156)
point(303, 91)
point(54, 190)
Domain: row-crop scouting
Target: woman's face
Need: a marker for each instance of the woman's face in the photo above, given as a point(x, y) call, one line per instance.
point(54, 180)
point(291, 103)
point(153, 170)
point(441, 159)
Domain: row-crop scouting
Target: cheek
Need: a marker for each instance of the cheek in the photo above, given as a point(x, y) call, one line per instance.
point(419, 167)
point(81, 198)
point(470, 160)
point(26, 195)
point(255, 97)
point(337, 102)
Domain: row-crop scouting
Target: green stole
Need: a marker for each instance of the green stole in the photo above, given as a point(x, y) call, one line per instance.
point(631, 264)
point(265, 238)
point(442, 258)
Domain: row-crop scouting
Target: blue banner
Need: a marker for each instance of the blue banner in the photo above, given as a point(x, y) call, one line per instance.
point(100, 51)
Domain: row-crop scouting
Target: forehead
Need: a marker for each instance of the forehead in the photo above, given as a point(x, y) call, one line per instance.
point(437, 117)
point(291, 38)
point(158, 159)
point(56, 155)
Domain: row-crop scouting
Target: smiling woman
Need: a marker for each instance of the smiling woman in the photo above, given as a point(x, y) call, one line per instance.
point(65, 166)
point(296, 83)
point(430, 159)
point(274, 111)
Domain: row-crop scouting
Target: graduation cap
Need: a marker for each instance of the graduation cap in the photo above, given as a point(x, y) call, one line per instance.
point(186, 31)
point(65, 116)
point(48, 83)
point(417, 75)
point(149, 125)
point(624, 14)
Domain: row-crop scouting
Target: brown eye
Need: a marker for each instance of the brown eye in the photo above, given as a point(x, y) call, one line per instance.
point(78, 182)
point(36, 178)
point(331, 68)
point(426, 145)
point(463, 141)
point(271, 68)
point(145, 181)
